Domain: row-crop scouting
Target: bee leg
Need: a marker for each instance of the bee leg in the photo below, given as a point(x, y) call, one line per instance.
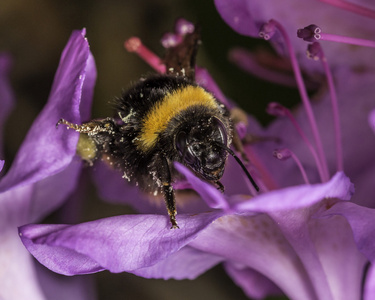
point(168, 192)
point(91, 128)
point(220, 186)
point(170, 202)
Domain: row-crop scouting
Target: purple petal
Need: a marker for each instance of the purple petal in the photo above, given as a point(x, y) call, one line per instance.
point(254, 284)
point(361, 220)
point(243, 16)
point(59, 287)
point(209, 194)
point(299, 196)
point(187, 263)
point(371, 120)
point(258, 243)
point(17, 276)
point(118, 244)
point(369, 289)
point(47, 150)
point(1, 165)
point(342, 263)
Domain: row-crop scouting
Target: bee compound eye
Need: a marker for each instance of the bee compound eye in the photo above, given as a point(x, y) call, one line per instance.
point(221, 133)
point(180, 142)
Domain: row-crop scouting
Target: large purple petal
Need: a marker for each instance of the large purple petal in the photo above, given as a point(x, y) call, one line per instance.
point(299, 196)
point(43, 173)
point(118, 244)
point(295, 225)
point(243, 16)
point(361, 220)
point(371, 120)
point(254, 284)
point(258, 243)
point(47, 150)
point(187, 263)
point(369, 288)
point(17, 277)
point(342, 263)
point(59, 287)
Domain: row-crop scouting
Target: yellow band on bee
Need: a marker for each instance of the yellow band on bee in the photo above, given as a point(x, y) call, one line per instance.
point(163, 111)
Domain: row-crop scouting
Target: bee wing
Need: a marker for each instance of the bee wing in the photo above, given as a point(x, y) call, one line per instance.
point(180, 60)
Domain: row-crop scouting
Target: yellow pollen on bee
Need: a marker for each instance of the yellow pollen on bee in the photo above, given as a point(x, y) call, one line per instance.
point(157, 119)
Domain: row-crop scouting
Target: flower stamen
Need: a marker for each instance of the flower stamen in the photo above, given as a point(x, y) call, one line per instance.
point(267, 31)
point(316, 52)
point(355, 8)
point(310, 33)
point(313, 33)
point(184, 27)
point(134, 44)
point(277, 109)
point(284, 154)
point(304, 97)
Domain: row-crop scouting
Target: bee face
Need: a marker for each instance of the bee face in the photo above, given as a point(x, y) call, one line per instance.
point(200, 148)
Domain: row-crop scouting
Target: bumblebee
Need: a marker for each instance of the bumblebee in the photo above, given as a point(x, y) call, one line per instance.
point(164, 119)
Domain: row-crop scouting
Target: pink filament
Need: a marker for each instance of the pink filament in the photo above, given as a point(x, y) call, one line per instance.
point(335, 112)
point(355, 8)
point(289, 153)
point(286, 112)
point(305, 100)
point(134, 44)
point(346, 40)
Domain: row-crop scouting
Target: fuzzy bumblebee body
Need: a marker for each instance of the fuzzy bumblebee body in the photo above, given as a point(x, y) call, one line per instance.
point(161, 120)
point(142, 143)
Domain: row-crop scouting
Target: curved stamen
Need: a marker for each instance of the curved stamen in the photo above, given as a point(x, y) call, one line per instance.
point(304, 97)
point(134, 44)
point(184, 27)
point(284, 154)
point(170, 40)
point(316, 52)
point(355, 8)
point(314, 33)
point(277, 109)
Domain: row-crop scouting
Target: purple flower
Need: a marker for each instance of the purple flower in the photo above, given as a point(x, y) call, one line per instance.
point(308, 241)
point(44, 172)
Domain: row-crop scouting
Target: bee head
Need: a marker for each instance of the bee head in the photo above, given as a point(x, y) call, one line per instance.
point(202, 148)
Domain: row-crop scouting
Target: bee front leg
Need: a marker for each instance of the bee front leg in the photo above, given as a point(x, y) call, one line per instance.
point(220, 186)
point(168, 192)
point(91, 128)
point(170, 202)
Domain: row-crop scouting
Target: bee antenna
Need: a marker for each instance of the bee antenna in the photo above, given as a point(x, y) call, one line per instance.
point(241, 164)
